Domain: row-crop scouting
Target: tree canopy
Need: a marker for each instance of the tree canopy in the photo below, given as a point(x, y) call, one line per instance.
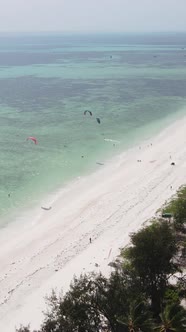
point(151, 256)
point(137, 296)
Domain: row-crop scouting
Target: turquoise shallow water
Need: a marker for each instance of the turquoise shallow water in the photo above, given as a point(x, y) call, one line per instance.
point(134, 84)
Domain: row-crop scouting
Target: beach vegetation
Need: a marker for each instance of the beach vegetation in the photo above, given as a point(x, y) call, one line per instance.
point(177, 207)
point(24, 329)
point(173, 319)
point(151, 255)
point(138, 318)
point(143, 292)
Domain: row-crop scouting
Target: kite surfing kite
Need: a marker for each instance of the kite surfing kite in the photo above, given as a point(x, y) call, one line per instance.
point(34, 139)
point(97, 119)
point(85, 112)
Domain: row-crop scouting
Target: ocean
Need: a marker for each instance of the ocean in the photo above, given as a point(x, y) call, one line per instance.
point(135, 85)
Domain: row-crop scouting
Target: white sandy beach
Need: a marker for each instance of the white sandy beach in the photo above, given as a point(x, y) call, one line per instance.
point(107, 206)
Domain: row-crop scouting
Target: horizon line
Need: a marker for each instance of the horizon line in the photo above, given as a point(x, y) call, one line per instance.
point(91, 32)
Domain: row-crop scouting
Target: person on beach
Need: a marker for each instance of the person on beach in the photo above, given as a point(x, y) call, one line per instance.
point(90, 240)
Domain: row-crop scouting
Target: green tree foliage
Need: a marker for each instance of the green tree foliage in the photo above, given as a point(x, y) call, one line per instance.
point(92, 304)
point(151, 256)
point(137, 319)
point(180, 214)
point(24, 329)
point(137, 289)
point(177, 207)
point(173, 319)
point(172, 295)
point(74, 311)
point(114, 296)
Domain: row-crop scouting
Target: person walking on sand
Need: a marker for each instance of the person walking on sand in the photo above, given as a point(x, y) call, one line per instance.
point(90, 240)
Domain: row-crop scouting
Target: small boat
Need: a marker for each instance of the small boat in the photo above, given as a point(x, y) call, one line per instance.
point(46, 208)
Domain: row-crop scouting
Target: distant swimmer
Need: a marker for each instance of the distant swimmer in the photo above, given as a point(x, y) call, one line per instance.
point(100, 164)
point(46, 208)
point(8, 195)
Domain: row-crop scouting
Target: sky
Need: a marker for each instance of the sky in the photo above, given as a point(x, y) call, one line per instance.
point(92, 15)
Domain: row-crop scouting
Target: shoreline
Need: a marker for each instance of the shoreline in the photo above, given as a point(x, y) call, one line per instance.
point(18, 214)
point(106, 205)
